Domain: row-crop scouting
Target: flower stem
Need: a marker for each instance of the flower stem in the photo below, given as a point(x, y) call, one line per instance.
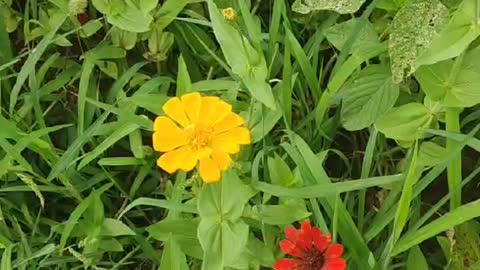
point(454, 169)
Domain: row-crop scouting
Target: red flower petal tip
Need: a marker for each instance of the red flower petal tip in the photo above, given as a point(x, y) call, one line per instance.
point(313, 249)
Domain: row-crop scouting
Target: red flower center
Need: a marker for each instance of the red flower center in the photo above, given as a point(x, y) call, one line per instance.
point(312, 260)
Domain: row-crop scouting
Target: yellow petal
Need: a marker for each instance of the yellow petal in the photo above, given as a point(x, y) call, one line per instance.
point(167, 135)
point(209, 171)
point(232, 120)
point(222, 159)
point(221, 111)
point(192, 103)
point(189, 161)
point(207, 109)
point(213, 110)
point(180, 159)
point(238, 135)
point(226, 146)
point(169, 161)
point(174, 109)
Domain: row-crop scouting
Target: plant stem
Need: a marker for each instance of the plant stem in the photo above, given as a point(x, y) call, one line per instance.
point(454, 169)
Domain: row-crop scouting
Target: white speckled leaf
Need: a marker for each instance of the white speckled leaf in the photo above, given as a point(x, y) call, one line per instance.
point(413, 28)
point(340, 6)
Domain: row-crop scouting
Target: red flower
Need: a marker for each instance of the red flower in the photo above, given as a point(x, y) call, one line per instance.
point(82, 18)
point(313, 250)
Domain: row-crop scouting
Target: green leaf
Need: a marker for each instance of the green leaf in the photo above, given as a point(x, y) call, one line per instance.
point(340, 6)
point(159, 203)
point(263, 121)
point(461, 30)
point(453, 218)
point(184, 231)
point(406, 123)
point(173, 257)
point(416, 260)
point(368, 96)
point(6, 263)
point(366, 39)
point(454, 83)
point(90, 28)
point(125, 15)
point(403, 208)
point(246, 62)
point(113, 227)
point(29, 65)
point(278, 214)
point(123, 39)
point(280, 173)
point(221, 232)
point(431, 154)
point(326, 189)
point(184, 83)
point(78, 212)
point(413, 28)
point(168, 12)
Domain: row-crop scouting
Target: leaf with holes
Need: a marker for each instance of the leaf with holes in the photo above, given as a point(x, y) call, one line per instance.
point(340, 6)
point(413, 28)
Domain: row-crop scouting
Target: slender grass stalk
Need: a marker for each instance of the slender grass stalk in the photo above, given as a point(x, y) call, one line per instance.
point(454, 169)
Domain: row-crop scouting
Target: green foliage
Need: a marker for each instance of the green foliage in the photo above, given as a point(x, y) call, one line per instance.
point(363, 118)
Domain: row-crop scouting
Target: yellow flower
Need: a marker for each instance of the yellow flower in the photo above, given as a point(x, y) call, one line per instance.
point(200, 130)
point(229, 14)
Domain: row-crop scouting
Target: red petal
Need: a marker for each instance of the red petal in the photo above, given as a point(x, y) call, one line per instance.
point(291, 233)
point(321, 241)
point(334, 251)
point(290, 248)
point(286, 264)
point(307, 229)
point(335, 264)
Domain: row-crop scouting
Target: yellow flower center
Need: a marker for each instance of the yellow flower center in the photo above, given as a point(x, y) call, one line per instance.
point(229, 14)
point(200, 136)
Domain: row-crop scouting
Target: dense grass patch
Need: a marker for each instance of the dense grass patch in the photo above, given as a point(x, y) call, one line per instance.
point(221, 134)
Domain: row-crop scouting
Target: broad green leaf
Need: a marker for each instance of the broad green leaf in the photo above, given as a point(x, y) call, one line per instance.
point(406, 123)
point(183, 230)
point(454, 83)
point(368, 96)
point(123, 39)
point(90, 29)
point(462, 29)
point(110, 245)
point(259, 252)
point(278, 214)
point(173, 257)
point(340, 6)
point(245, 61)
point(413, 28)
point(169, 11)
point(431, 154)
point(221, 232)
point(125, 14)
point(453, 218)
point(365, 41)
point(416, 260)
point(280, 173)
point(113, 227)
